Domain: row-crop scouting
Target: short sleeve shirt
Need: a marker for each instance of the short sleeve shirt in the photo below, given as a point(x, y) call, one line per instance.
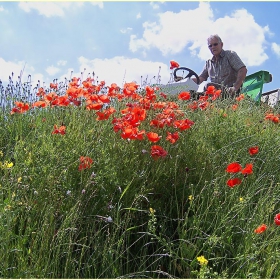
point(224, 71)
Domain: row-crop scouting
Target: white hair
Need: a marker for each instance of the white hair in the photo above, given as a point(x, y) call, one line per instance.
point(215, 36)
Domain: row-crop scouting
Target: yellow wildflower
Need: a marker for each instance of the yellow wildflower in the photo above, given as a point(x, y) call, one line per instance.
point(190, 197)
point(152, 211)
point(241, 199)
point(202, 260)
point(7, 165)
point(7, 207)
point(19, 179)
point(1, 154)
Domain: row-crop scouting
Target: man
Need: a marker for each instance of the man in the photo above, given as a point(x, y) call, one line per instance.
point(224, 69)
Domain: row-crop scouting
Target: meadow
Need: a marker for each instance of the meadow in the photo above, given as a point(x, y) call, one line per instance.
point(98, 181)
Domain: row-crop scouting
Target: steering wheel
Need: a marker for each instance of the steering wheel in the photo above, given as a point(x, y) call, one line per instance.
point(191, 73)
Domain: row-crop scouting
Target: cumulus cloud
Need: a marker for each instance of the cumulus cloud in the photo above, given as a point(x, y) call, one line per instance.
point(121, 69)
point(138, 15)
point(276, 49)
point(126, 30)
point(98, 3)
point(1, 9)
point(170, 34)
point(154, 5)
point(48, 9)
point(52, 70)
point(19, 68)
point(61, 63)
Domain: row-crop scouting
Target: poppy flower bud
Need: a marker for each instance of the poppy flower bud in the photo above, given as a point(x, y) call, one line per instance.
point(277, 219)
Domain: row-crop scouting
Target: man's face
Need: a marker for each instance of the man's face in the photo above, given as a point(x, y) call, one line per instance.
point(215, 46)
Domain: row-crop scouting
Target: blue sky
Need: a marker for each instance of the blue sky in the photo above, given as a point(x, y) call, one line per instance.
point(122, 41)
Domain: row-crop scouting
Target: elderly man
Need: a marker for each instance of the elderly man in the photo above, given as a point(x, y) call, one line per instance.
point(225, 68)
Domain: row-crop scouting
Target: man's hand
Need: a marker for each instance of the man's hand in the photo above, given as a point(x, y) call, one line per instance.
point(232, 90)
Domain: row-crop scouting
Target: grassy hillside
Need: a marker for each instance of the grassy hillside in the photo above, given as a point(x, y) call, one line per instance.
point(130, 183)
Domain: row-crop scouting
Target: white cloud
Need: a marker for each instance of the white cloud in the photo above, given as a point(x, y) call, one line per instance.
point(49, 9)
point(276, 49)
point(98, 3)
point(52, 70)
point(19, 69)
point(120, 70)
point(1, 9)
point(115, 70)
point(170, 34)
point(249, 40)
point(61, 63)
point(154, 5)
point(126, 30)
point(138, 15)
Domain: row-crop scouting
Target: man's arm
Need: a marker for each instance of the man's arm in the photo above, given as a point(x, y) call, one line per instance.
point(201, 79)
point(241, 74)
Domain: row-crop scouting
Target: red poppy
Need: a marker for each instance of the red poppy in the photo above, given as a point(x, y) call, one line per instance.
point(113, 89)
point(203, 105)
point(234, 182)
point(272, 117)
point(150, 93)
point(253, 150)
point(128, 133)
point(157, 152)
point(102, 84)
point(20, 108)
point(88, 83)
point(183, 124)
point(210, 90)
point(102, 115)
point(153, 137)
point(129, 88)
point(248, 169)
point(104, 98)
point(234, 167)
point(277, 219)
point(157, 123)
point(59, 130)
point(185, 95)
point(74, 101)
point(53, 86)
point(159, 105)
point(216, 94)
point(260, 229)
point(92, 98)
point(132, 133)
point(140, 134)
point(41, 92)
point(174, 64)
point(85, 163)
point(50, 97)
point(240, 97)
point(203, 98)
point(163, 95)
point(41, 104)
point(139, 113)
point(94, 106)
point(62, 101)
point(193, 106)
point(172, 137)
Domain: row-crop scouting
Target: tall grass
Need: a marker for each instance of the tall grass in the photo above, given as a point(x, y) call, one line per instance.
point(130, 215)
